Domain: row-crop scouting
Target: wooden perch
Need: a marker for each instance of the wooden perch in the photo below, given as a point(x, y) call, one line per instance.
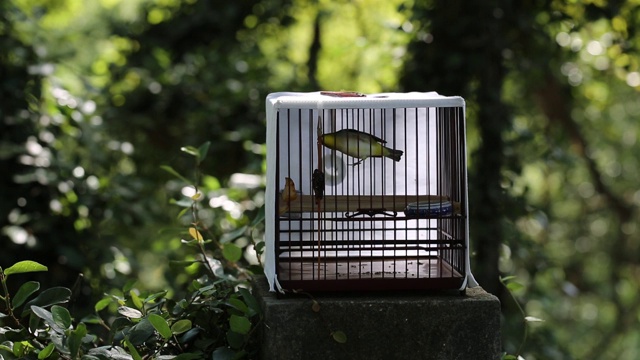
point(342, 203)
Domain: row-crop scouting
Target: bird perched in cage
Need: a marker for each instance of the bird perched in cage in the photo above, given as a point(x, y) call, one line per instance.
point(317, 183)
point(359, 145)
point(289, 194)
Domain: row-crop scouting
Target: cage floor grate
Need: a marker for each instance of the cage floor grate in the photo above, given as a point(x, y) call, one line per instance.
point(368, 268)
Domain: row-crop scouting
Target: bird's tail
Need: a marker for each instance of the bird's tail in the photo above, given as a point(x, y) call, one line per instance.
point(393, 153)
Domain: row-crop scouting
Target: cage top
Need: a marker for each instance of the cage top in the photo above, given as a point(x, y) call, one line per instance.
point(322, 100)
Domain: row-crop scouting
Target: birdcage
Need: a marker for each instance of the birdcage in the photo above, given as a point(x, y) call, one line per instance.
point(366, 192)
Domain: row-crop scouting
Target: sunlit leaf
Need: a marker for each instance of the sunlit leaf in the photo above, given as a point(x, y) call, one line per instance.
point(136, 299)
point(532, 319)
point(195, 234)
point(131, 313)
point(514, 286)
point(46, 352)
point(189, 150)
point(161, 325)
point(102, 303)
point(181, 326)
point(232, 252)
point(24, 267)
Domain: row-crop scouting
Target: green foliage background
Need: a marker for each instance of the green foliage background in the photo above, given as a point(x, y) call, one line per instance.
point(96, 95)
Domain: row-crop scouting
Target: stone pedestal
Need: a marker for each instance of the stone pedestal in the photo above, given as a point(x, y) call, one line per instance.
point(390, 325)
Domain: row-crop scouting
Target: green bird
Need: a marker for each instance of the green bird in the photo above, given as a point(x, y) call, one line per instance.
point(359, 145)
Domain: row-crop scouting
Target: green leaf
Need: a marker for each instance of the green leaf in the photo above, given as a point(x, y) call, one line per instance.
point(161, 325)
point(46, 352)
point(186, 203)
point(339, 336)
point(129, 312)
point(132, 350)
point(91, 319)
point(514, 286)
point(61, 316)
point(75, 339)
point(507, 278)
point(24, 267)
point(182, 212)
point(51, 296)
point(129, 285)
point(188, 356)
point(100, 305)
point(171, 171)
point(140, 332)
point(184, 263)
point(235, 340)
point(190, 150)
point(23, 293)
point(19, 348)
point(251, 301)
point(532, 319)
point(232, 252)
point(136, 299)
point(203, 150)
point(259, 217)
point(509, 357)
point(238, 305)
point(47, 316)
point(34, 321)
point(230, 236)
point(181, 326)
point(240, 324)
point(211, 183)
point(153, 297)
point(223, 353)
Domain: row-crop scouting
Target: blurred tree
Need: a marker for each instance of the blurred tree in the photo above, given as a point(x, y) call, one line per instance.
point(540, 77)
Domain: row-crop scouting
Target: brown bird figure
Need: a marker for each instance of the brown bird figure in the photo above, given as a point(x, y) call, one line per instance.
point(289, 194)
point(317, 183)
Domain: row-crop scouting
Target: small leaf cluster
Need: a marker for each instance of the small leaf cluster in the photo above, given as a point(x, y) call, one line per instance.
point(214, 322)
point(216, 317)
